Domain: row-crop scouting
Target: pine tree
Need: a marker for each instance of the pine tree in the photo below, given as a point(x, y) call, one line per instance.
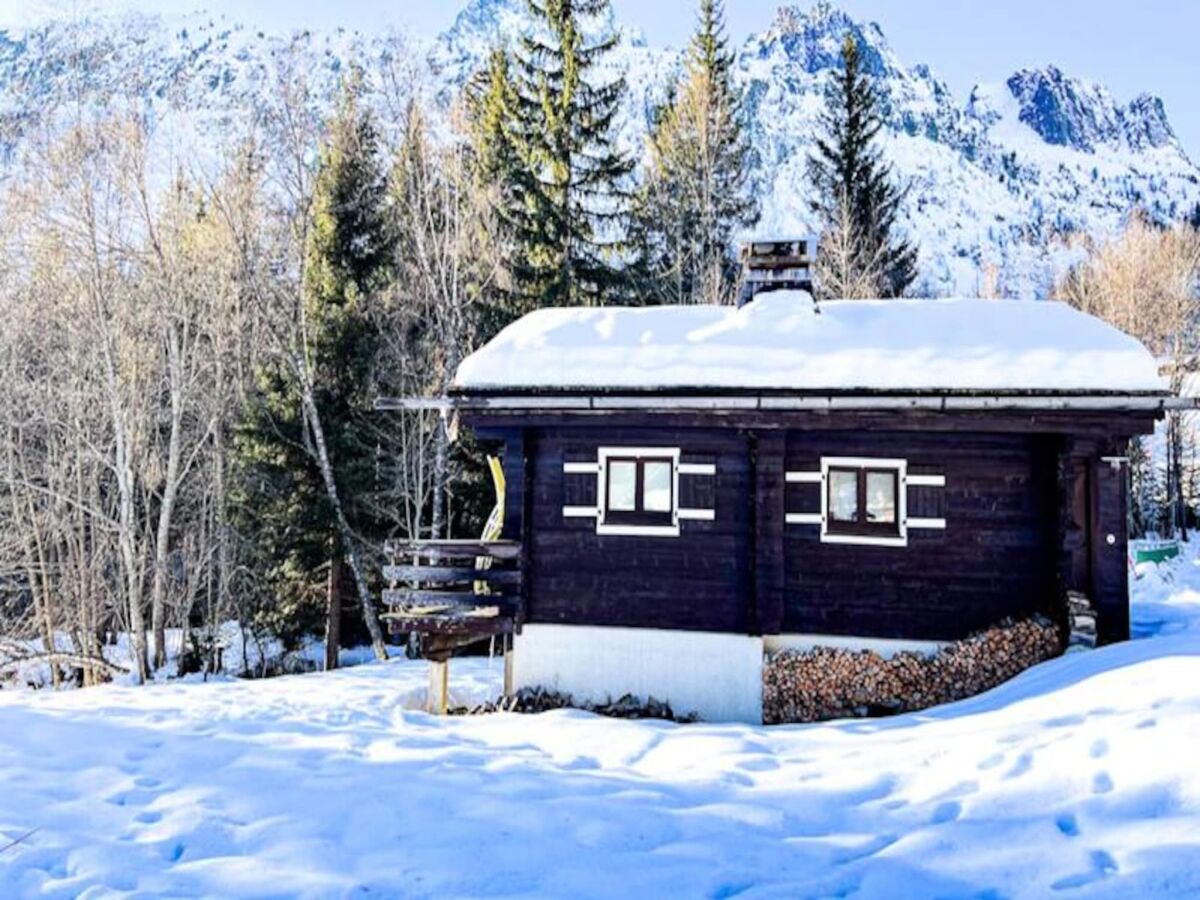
point(500, 177)
point(847, 170)
point(493, 107)
point(696, 189)
point(568, 232)
point(283, 497)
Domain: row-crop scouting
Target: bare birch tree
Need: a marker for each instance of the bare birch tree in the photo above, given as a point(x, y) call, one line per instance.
point(848, 265)
point(1146, 282)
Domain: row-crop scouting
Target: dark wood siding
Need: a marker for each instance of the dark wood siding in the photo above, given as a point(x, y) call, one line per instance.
point(1027, 503)
point(1110, 561)
point(996, 557)
point(697, 581)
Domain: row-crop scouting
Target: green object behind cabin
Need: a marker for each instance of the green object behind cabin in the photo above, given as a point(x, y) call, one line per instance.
point(1156, 553)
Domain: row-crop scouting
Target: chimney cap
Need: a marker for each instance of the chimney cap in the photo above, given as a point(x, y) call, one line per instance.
point(766, 248)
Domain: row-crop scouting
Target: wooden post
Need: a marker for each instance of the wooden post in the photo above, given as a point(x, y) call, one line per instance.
point(439, 687)
point(509, 659)
point(1110, 552)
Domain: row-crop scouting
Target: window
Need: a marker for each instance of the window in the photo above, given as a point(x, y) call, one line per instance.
point(863, 501)
point(639, 491)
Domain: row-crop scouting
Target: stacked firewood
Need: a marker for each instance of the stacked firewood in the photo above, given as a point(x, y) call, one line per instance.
point(1082, 619)
point(828, 683)
point(536, 700)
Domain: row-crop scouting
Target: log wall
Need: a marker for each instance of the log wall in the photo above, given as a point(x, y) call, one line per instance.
point(697, 581)
point(1024, 508)
point(996, 558)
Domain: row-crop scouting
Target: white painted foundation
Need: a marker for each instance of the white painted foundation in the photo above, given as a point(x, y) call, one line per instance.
point(716, 676)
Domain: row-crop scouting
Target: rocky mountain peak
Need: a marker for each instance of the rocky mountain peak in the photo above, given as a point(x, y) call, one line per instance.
point(1071, 112)
point(998, 180)
point(1066, 112)
point(813, 38)
point(1146, 123)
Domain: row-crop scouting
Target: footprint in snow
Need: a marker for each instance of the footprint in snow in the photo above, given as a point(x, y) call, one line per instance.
point(991, 762)
point(1103, 865)
point(1067, 824)
point(149, 817)
point(137, 797)
point(1064, 721)
point(761, 764)
point(946, 812)
point(737, 779)
point(725, 891)
point(1099, 749)
point(582, 764)
point(1023, 764)
point(959, 790)
point(1101, 783)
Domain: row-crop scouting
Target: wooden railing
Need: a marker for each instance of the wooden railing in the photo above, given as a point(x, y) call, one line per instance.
point(453, 593)
point(458, 589)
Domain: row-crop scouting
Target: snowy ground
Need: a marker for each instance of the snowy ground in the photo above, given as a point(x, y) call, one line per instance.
point(243, 653)
point(1080, 777)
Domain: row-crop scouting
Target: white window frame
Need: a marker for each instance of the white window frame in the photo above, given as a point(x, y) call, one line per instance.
point(603, 527)
point(866, 462)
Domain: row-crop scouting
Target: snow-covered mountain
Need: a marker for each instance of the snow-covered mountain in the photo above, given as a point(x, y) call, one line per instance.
point(996, 181)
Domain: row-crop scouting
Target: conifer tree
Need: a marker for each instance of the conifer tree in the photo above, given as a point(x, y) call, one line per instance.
point(569, 232)
point(493, 108)
point(847, 169)
point(503, 183)
point(696, 189)
point(284, 497)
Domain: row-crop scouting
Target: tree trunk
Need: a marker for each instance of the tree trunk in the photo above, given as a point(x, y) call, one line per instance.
point(131, 562)
point(158, 593)
point(333, 610)
point(133, 572)
point(46, 614)
point(1179, 502)
point(441, 462)
point(366, 602)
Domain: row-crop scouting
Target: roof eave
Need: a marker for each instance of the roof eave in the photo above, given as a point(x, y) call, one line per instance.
point(616, 400)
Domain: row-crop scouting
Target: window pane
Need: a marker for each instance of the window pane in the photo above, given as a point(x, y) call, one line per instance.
point(843, 496)
point(881, 497)
point(622, 485)
point(656, 490)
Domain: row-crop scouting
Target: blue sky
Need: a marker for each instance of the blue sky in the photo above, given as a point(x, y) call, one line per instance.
point(1150, 45)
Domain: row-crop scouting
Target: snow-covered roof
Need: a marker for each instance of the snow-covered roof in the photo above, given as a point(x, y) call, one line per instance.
point(782, 341)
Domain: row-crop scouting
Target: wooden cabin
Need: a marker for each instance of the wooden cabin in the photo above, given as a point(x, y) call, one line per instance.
point(691, 488)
